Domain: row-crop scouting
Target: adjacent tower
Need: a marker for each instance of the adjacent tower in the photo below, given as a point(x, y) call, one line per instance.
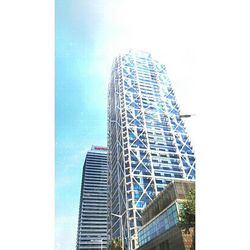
point(147, 141)
point(92, 222)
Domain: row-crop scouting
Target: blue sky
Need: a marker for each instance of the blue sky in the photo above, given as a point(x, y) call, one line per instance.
point(80, 109)
point(89, 34)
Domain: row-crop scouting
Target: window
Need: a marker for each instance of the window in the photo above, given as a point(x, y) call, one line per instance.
point(159, 225)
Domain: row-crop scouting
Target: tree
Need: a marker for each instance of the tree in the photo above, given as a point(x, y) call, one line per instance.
point(187, 214)
point(115, 244)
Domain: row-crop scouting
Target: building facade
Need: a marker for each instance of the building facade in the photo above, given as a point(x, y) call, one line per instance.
point(92, 222)
point(147, 141)
point(160, 230)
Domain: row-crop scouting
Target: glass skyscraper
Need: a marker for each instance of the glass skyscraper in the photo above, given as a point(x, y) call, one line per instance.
point(92, 222)
point(147, 141)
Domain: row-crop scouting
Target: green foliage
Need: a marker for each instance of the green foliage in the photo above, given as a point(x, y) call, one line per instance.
point(187, 212)
point(115, 244)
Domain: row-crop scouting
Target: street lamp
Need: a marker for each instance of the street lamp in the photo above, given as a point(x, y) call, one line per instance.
point(120, 216)
point(187, 115)
point(98, 240)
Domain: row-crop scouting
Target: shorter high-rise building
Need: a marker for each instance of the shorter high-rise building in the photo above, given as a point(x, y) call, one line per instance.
point(160, 230)
point(92, 222)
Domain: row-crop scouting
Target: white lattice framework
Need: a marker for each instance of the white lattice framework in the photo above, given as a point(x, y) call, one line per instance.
point(147, 140)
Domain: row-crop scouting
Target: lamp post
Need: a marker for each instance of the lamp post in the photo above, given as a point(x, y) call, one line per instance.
point(120, 217)
point(101, 243)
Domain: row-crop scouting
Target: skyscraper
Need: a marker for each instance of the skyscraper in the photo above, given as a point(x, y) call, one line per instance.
point(147, 141)
point(92, 222)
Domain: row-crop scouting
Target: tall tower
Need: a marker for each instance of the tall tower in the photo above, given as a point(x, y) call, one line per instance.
point(147, 141)
point(92, 222)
